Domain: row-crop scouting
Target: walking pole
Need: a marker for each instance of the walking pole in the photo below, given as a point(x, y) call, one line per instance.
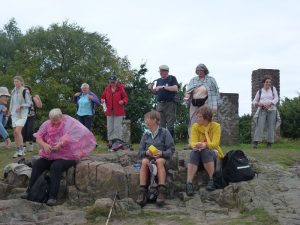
point(111, 208)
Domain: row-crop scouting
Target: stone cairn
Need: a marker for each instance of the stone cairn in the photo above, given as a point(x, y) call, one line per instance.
point(256, 81)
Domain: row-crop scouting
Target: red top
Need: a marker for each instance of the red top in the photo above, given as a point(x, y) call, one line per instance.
point(114, 108)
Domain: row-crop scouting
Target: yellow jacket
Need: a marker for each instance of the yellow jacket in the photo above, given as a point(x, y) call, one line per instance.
point(213, 136)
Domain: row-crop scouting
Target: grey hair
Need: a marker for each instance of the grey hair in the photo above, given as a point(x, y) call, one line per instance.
point(85, 85)
point(55, 113)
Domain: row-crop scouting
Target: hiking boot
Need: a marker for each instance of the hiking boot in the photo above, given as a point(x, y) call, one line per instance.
point(210, 185)
point(255, 143)
point(142, 197)
point(51, 202)
point(189, 189)
point(269, 145)
point(161, 197)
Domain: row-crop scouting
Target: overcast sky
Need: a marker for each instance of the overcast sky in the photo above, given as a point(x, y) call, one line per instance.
point(232, 38)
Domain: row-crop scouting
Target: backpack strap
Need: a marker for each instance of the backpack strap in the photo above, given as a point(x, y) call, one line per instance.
point(260, 90)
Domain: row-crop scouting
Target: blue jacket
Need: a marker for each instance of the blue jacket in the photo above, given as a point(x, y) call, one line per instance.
point(3, 121)
point(95, 101)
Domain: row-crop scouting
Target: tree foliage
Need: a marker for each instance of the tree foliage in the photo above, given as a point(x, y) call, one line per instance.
point(290, 117)
point(245, 129)
point(56, 61)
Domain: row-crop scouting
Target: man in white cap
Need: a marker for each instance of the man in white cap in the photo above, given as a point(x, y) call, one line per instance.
point(166, 90)
point(4, 94)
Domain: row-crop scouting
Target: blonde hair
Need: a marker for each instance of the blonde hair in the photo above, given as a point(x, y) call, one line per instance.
point(17, 77)
point(55, 113)
point(153, 115)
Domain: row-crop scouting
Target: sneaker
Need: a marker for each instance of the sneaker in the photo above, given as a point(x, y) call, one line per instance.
point(24, 195)
point(16, 155)
point(210, 185)
point(142, 198)
point(21, 153)
point(161, 197)
point(255, 143)
point(189, 189)
point(269, 145)
point(30, 148)
point(51, 202)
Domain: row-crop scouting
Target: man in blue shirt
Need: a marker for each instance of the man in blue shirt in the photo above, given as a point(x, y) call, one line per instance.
point(166, 89)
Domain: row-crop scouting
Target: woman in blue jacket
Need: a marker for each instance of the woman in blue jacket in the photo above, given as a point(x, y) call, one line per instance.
point(4, 94)
point(86, 102)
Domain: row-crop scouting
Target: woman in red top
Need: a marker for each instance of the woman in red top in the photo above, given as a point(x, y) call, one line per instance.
point(115, 98)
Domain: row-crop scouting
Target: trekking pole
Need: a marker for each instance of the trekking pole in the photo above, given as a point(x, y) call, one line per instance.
point(115, 197)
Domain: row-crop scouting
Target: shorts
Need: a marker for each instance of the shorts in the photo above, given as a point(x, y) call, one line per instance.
point(197, 158)
point(18, 122)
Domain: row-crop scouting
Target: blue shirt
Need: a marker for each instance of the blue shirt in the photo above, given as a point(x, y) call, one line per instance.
point(3, 121)
point(84, 106)
point(164, 95)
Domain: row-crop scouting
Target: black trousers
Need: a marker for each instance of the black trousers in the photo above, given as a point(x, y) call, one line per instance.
point(87, 121)
point(28, 129)
point(56, 167)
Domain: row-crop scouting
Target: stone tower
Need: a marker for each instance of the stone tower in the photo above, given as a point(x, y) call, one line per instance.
point(256, 81)
point(228, 116)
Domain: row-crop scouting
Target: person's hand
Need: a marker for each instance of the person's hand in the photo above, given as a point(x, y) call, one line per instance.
point(158, 88)
point(150, 86)
point(47, 147)
point(149, 153)
point(77, 94)
point(121, 102)
point(8, 142)
point(4, 109)
point(200, 146)
point(158, 155)
point(90, 97)
point(57, 146)
point(102, 100)
point(187, 97)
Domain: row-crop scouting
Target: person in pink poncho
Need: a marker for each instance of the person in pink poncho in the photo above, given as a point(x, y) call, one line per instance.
point(63, 141)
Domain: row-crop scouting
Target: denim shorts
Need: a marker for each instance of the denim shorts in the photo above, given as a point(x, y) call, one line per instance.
point(197, 158)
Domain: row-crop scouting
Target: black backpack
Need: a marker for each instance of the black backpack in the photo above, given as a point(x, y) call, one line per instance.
point(39, 192)
point(236, 167)
point(118, 144)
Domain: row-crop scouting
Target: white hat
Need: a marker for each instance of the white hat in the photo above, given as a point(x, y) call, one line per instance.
point(4, 91)
point(164, 67)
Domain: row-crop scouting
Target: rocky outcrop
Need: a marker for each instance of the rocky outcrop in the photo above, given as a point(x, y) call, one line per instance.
point(99, 177)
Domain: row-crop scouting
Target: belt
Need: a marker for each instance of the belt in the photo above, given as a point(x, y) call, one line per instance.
point(164, 101)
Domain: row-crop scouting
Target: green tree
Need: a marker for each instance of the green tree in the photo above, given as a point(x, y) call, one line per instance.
point(245, 128)
point(140, 101)
point(290, 117)
point(182, 117)
point(57, 60)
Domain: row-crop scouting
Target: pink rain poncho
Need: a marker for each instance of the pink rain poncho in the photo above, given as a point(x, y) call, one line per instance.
point(78, 140)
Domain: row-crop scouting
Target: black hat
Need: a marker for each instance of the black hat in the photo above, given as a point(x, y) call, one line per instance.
point(113, 78)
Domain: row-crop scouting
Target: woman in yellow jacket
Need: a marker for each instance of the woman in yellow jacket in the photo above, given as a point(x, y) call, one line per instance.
point(205, 141)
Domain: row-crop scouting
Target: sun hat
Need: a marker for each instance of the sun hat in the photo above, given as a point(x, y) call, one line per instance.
point(4, 91)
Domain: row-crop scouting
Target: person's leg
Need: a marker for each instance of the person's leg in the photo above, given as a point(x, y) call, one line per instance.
point(259, 129)
point(170, 113)
point(271, 123)
point(89, 122)
point(144, 176)
point(110, 126)
point(193, 118)
point(29, 131)
point(195, 158)
point(19, 140)
point(56, 170)
point(161, 176)
point(25, 132)
point(81, 119)
point(117, 130)
point(208, 160)
point(38, 167)
point(161, 171)
point(161, 109)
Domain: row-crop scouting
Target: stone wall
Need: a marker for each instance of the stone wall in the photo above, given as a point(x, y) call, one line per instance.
point(126, 131)
point(256, 81)
point(228, 116)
